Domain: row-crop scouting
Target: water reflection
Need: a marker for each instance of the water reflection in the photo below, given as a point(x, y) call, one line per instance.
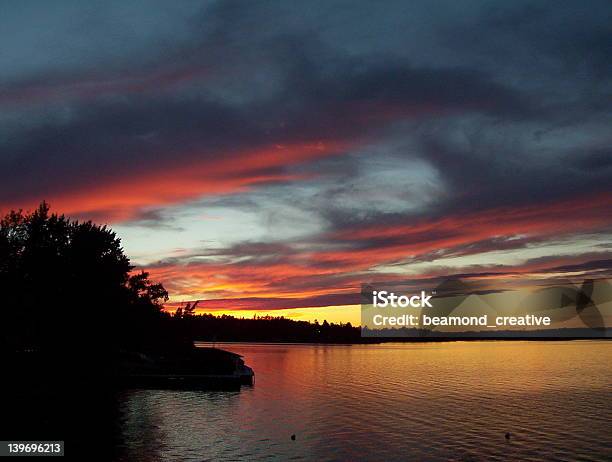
point(451, 401)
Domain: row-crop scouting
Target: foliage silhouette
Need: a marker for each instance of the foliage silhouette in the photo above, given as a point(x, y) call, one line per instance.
point(207, 327)
point(66, 283)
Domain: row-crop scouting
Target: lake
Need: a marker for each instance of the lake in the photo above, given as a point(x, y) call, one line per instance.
point(401, 401)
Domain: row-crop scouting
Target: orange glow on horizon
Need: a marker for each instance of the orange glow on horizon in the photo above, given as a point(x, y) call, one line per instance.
point(336, 314)
point(318, 272)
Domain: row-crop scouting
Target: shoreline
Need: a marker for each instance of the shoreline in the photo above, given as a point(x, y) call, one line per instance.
point(202, 343)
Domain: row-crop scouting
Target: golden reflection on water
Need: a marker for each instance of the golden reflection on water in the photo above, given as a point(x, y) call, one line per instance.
point(431, 401)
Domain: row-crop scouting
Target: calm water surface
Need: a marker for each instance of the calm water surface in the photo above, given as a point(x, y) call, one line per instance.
point(447, 401)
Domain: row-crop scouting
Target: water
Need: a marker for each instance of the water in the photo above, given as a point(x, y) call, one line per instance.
point(446, 401)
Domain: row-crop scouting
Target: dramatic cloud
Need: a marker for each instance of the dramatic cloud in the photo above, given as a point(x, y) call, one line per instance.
point(281, 154)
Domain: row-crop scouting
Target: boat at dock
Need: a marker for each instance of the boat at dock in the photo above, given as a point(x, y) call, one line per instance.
point(199, 368)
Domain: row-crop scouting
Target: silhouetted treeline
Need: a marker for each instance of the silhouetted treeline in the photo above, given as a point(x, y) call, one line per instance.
point(70, 306)
point(207, 327)
point(68, 284)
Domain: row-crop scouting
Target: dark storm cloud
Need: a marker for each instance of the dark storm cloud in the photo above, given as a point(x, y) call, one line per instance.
point(226, 88)
point(574, 40)
point(597, 268)
point(110, 139)
point(116, 137)
point(362, 116)
point(597, 161)
point(490, 173)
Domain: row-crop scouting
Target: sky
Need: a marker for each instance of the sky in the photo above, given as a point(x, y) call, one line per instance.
point(270, 157)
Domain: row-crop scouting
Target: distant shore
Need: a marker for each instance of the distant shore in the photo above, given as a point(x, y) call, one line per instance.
point(551, 335)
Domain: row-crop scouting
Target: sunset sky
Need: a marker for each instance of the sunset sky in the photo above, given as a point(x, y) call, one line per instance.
point(272, 156)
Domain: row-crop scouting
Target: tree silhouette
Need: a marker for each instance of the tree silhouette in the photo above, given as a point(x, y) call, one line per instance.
point(189, 309)
point(63, 281)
